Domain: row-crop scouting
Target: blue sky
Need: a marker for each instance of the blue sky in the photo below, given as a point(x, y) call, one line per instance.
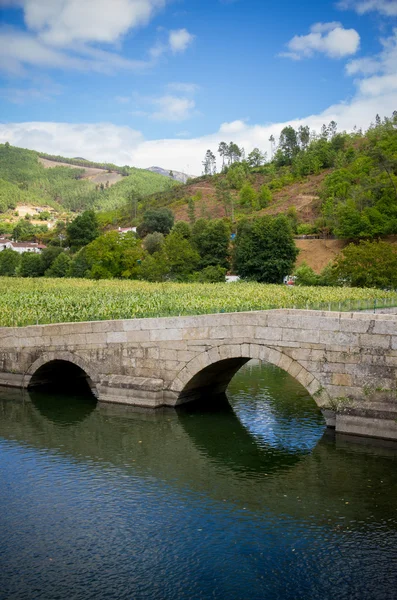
point(157, 82)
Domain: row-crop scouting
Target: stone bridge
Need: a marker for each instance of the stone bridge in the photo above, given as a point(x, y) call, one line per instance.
point(346, 361)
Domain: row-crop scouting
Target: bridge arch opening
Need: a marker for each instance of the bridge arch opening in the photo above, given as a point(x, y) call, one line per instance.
point(211, 372)
point(62, 376)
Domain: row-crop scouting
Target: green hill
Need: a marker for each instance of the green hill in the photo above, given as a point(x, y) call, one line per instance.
point(331, 183)
point(25, 180)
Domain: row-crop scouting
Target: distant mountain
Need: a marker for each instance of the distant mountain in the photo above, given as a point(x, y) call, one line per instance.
point(176, 175)
point(37, 179)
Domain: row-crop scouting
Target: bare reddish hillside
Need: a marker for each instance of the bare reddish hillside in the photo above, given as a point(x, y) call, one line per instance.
point(304, 195)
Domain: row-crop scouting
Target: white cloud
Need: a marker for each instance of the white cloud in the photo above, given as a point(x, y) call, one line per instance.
point(19, 50)
point(66, 33)
point(330, 39)
point(379, 73)
point(388, 8)
point(65, 22)
point(123, 145)
point(180, 39)
point(173, 108)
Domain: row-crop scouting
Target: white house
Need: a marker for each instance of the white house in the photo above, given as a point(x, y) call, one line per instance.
point(123, 230)
point(5, 244)
point(21, 247)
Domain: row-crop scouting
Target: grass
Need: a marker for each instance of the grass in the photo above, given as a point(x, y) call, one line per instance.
point(40, 301)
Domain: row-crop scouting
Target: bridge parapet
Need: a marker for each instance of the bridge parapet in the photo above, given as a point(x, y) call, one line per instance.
point(346, 361)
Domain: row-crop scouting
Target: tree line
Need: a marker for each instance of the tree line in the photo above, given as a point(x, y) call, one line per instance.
point(261, 250)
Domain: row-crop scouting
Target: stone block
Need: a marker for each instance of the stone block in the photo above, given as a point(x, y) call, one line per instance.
point(372, 340)
point(341, 379)
point(285, 362)
point(304, 377)
point(158, 335)
point(219, 332)
point(136, 336)
point(339, 338)
point(301, 335)
point(242, 331)
point(294, 369)
point(116, 337)
point(269, 355)
point(268, 333)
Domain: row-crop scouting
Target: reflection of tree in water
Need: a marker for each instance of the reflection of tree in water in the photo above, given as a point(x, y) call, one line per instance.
point(62, 408)
point(216, 431)
point(211, 453)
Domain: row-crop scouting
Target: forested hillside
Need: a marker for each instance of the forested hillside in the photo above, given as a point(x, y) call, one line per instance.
point(25, 180)
point(326, 183)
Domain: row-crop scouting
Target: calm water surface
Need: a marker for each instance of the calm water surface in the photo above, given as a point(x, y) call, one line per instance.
point(247, 500)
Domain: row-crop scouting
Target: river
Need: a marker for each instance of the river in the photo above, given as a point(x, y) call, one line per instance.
point(246, 498)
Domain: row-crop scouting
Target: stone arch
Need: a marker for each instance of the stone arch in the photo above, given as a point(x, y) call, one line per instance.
point(219, 364)
point(66, 357)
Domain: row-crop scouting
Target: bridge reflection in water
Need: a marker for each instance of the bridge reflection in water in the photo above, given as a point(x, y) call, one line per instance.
point(254, 478)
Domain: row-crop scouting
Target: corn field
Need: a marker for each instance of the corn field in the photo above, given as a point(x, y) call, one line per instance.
point(40, 301)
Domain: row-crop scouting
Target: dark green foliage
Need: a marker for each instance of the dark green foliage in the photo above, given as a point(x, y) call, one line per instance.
point(212, 274)
point(82, 230)
point(49, 255)
point(25, 231)
point(80, 266)
point(360, 197)
point(368, 264)
point(161, 220)
point(212, 240)
point(265, 250)
point(60, 267)
point(181, 257)
point(9, 262)
point(153, 242)
point(31, 265)
point(113, 255)
point(183, 229)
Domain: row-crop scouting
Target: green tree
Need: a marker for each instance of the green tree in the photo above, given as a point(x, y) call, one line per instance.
point(368, 264)
point(114, 255)
point(264, 197)
point(306, 276)
point(212, 274)
point(236, 176)
point(183, 229)
point(161, 220)
point(153, 242)
point(288, 145)
point(82, 230)
point(49, 255)
point(9, 262)
point(80, 266)
point(182, 258)
point(24, 231)
point(154, 267)
point(225, 197)
point(209, 163)
point(248, 196)
point(60, 267)
point(191, 210)
point(256, 158)
point(265, 250)
point(223, 151)
point(212, 241)
point(31, 265)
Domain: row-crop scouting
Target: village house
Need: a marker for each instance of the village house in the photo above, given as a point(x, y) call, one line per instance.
point(123, 230)
point(21, 247)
